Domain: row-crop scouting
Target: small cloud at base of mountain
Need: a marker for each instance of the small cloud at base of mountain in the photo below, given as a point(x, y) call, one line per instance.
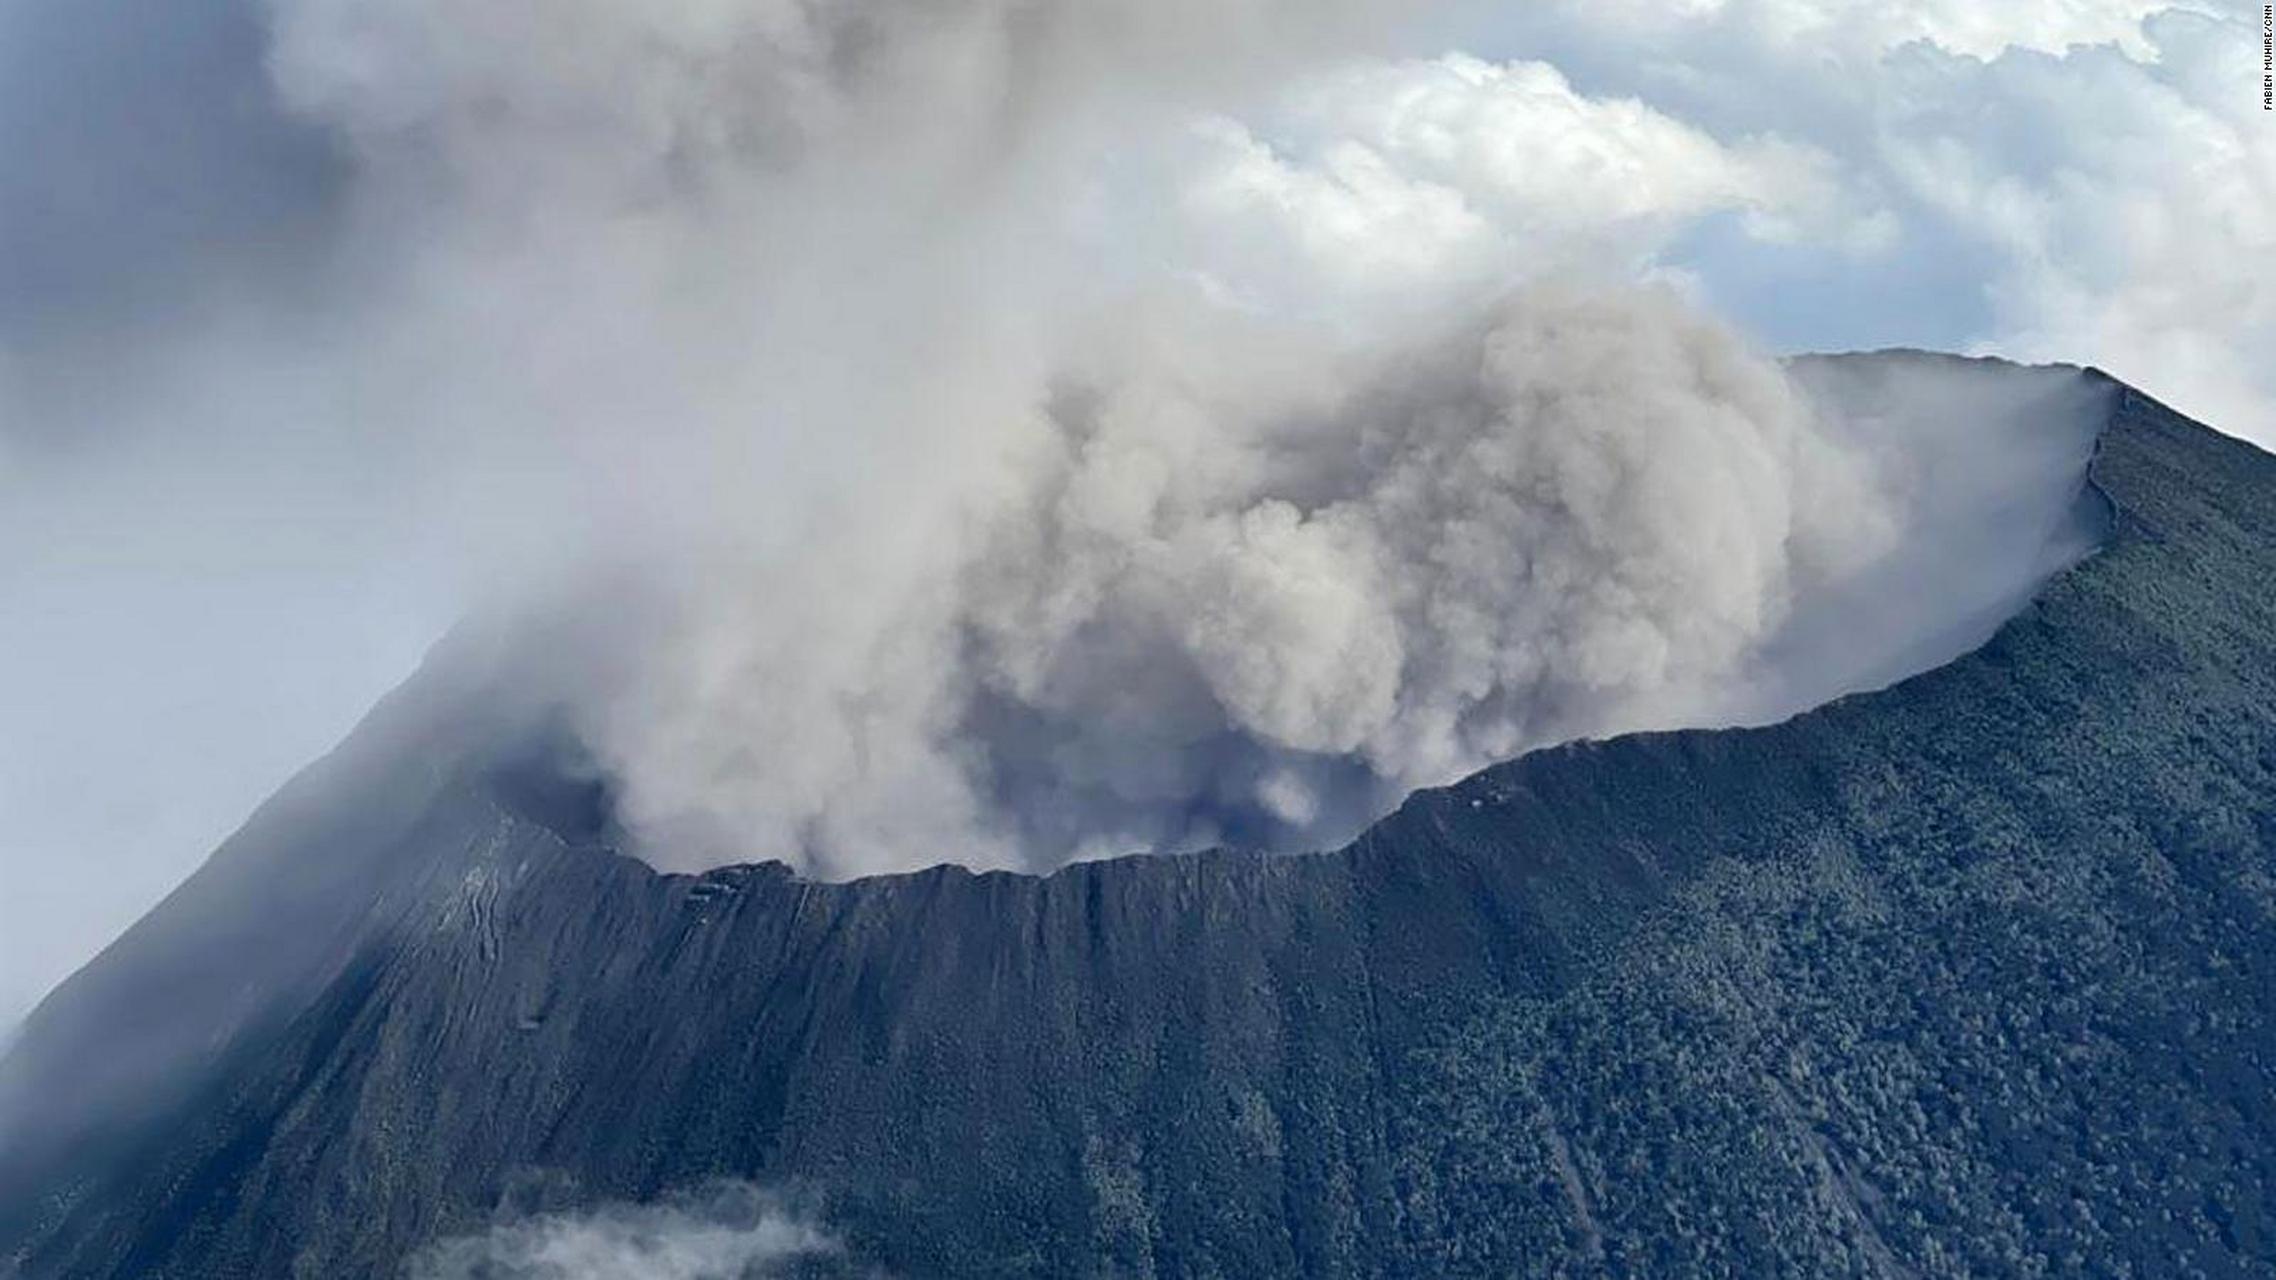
point(728, 1231)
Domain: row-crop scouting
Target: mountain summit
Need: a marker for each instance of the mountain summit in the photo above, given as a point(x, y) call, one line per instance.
point(1975, 974)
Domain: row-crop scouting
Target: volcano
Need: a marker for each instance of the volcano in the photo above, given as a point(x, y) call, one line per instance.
point(1972, 974)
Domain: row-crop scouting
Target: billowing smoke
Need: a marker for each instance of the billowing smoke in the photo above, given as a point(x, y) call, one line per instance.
point(1198, 608)
point(873, 403)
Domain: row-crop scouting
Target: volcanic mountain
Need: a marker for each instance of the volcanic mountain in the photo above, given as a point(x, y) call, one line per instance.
point(1973, 974)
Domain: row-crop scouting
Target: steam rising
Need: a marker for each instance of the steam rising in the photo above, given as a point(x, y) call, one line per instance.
point(921, 480)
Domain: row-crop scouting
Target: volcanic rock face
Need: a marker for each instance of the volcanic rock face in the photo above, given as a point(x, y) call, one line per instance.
point(1975, 974)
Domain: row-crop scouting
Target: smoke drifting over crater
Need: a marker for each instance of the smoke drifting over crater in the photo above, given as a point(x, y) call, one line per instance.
point(1007, 433)
point(1200, 606)
point(912, 475)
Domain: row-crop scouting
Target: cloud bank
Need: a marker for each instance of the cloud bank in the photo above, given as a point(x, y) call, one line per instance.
point(2053, 181)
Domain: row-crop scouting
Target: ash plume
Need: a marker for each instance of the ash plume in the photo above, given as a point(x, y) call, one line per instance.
point(851, 400)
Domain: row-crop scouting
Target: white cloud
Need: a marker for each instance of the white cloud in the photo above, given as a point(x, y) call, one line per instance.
point(1851, 27)
point(1421, 177)
point(2090, 180)
point(2129, 202)
point(729, 1232)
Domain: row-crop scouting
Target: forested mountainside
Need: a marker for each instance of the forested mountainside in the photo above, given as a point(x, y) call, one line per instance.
point(1972, 975)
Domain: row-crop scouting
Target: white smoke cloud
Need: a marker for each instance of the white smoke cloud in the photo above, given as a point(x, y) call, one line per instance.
point(817, 317)
point(1004, 431)
point(1202, 610)
point(729, 1232)
point(957, 435)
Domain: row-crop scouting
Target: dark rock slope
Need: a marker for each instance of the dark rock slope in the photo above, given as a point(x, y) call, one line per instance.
point(1975, 975)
